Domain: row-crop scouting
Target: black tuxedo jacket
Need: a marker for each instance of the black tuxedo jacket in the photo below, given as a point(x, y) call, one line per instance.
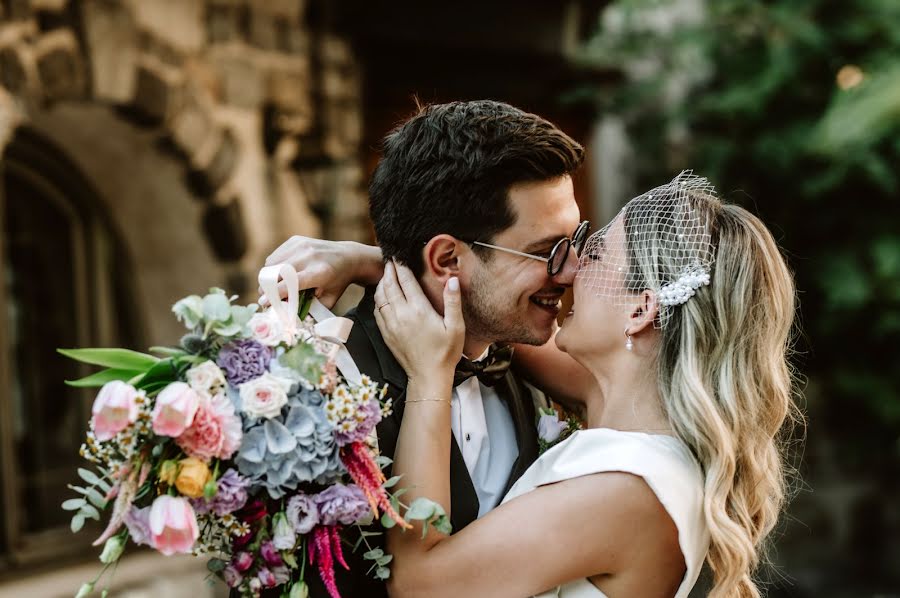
point(374, 359)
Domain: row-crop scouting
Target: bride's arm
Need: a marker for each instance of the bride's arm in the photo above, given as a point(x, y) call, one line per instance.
point(331, 266)
point(577, 528)
point(556, 373)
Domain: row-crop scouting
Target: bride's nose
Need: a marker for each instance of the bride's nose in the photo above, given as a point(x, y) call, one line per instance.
point(566, 276)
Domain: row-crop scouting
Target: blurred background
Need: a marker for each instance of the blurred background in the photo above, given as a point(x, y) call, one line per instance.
point(154, 148)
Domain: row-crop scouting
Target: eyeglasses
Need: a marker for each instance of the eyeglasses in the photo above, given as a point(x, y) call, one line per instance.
point(557, 258)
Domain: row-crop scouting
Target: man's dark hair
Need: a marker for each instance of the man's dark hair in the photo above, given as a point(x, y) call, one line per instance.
point(448, 170)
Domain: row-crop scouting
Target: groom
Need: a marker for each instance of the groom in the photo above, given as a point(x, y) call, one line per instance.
point(481, 191)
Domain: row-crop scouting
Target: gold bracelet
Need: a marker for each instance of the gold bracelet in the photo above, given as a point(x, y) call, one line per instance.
point(424, 400)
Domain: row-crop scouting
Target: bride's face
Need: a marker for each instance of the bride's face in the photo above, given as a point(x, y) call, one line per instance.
point(595, 326)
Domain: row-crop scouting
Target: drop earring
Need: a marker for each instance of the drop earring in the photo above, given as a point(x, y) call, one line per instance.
point(629, 344)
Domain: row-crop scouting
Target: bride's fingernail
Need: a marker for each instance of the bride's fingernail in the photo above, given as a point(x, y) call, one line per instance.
point(453, 284)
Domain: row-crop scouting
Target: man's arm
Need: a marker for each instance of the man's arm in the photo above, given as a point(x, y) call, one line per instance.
point(556, 373)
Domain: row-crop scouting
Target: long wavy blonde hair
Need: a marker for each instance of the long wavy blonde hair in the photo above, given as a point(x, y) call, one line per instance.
point(726, 383)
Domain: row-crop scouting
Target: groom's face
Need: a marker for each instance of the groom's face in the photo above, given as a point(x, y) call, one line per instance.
point(512, 298)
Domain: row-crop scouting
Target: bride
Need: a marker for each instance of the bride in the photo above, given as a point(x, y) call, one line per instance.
point(676, 352)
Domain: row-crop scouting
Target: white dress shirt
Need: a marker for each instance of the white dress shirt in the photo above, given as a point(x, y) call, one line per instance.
point(484, 430)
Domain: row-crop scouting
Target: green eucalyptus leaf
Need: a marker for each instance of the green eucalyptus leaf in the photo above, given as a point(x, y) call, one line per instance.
point(421, 509)
point(77, 523)
point(229, 329)
point(189, 311)
point(442, 525)
point(387, 522)
point(241, 314)
point(216, 565)
point(88, 476)
point(375, 553)
point(90, 511)
point(73, 504)
point(305, 360)
point(392, 482)
point(216, 307)
point(383, 573)
point(96, 498)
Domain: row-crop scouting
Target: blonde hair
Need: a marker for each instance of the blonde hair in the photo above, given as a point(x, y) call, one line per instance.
point(726, 383)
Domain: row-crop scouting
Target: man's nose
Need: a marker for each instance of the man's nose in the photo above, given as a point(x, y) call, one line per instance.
point(566, 276)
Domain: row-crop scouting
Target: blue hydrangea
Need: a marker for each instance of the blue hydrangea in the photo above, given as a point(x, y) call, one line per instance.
point(298, 446)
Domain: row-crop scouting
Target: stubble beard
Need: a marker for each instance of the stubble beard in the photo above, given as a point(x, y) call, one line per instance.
point(490, 315)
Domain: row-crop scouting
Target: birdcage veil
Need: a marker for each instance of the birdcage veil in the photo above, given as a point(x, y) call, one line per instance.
point(659, 241)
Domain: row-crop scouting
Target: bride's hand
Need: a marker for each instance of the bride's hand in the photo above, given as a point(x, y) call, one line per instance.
point(425, 343)
point(327, 266)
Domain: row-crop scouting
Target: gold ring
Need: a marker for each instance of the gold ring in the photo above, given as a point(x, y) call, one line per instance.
point(385, 304)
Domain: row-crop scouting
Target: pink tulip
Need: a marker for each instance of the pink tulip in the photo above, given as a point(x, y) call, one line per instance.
point(173, 525)
point(174, 410)
point(115, 408)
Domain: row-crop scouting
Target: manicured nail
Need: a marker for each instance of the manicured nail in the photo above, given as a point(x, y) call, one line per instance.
point(453, 284)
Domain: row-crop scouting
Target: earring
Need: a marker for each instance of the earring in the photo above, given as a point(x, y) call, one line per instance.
point(629, 344)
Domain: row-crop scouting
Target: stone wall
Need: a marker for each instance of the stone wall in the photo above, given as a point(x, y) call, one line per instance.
point(261, 110)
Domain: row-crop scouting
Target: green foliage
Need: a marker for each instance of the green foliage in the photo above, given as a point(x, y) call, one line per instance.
point(794, 109)
point(91, 502)
point(305, 360)
point(213, 313)
point(426, 510)
point(123, 359)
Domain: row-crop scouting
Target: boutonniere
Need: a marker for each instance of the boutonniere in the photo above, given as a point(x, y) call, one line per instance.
point(552, 430)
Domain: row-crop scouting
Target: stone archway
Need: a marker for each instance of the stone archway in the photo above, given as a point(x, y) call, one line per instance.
point(260, 108)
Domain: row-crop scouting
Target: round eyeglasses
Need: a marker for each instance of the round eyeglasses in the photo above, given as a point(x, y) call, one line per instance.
point(560, 252)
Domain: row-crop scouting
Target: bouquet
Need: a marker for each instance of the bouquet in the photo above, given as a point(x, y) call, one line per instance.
point(252, 443)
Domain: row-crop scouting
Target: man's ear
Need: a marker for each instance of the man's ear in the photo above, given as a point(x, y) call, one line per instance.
point(644, 312)
point(441, 256)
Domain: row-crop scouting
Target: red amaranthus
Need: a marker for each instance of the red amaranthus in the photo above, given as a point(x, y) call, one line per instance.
point(324, 548)
point(357, 458)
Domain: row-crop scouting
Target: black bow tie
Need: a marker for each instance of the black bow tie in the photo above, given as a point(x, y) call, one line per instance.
point(489, 370)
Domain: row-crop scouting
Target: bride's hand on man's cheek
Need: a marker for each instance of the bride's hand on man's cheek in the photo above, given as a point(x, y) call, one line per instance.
point(423, 341)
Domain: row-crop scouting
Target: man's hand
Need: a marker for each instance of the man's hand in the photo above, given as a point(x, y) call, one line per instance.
point(327, 266)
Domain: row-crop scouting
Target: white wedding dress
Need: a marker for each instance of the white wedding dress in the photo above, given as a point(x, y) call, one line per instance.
point(665, 464)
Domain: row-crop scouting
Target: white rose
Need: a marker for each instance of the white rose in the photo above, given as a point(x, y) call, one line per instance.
point(550, 427)
point(264, 396)
point(266, 328)
point(205, 377)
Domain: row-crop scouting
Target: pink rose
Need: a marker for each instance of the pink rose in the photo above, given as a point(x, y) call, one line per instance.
point(115, 408)
point(215, 431)
point(174, 410)
point(173, 525)
point(242, 561)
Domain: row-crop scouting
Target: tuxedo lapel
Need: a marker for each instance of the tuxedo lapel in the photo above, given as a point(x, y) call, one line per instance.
point(521, 408)
point(463, 497)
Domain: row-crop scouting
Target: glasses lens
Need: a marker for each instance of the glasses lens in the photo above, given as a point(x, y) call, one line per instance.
point(558, 257)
